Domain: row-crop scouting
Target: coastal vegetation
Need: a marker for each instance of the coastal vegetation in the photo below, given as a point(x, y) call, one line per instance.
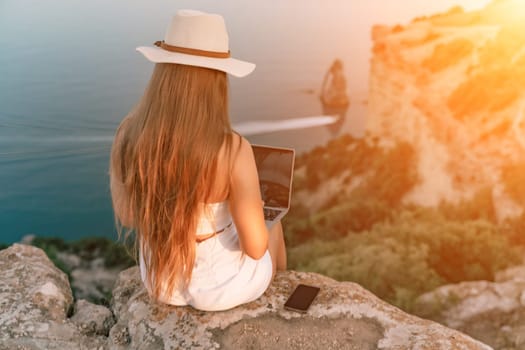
point(373, 182)
point(87, 249)
point(413, 252)
point(370, 236)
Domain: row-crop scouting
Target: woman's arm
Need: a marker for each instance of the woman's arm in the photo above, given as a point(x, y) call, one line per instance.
point(246, 203)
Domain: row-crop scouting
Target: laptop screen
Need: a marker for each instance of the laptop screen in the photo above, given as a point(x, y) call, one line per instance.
point(275, 169)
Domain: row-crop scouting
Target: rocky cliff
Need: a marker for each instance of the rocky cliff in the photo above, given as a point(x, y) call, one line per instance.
point(493, 312)
point(453, 86)
point(38, 312)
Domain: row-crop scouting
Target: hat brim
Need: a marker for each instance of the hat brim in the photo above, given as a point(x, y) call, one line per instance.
point(230, 65)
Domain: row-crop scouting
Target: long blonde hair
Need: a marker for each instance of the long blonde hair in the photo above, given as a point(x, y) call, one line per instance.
point(165, 154)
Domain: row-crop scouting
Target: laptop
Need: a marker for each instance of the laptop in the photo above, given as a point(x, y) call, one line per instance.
point(275, 169)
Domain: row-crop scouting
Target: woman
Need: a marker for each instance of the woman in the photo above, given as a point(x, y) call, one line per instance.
point(185, 184)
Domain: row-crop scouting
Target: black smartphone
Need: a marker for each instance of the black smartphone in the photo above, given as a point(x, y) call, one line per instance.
point(301, 298)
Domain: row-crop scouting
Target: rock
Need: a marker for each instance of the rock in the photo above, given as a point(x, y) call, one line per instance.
point(493, 312)
point(343, 316)
point(92, 319)
point(119, 335)
point(35, 299)
point(511, 274)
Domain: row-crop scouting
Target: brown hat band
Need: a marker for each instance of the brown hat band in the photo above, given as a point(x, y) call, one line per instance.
point(189, 51)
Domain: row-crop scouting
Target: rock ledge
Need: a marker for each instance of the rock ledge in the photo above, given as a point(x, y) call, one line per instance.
point(36, 312)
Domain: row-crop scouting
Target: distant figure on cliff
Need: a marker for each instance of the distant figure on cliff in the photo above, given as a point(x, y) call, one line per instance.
point(333, 94)
point(185, 185)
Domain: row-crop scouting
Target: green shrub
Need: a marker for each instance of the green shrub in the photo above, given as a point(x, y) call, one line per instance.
point(343, 154)
point(480, 206)
point(391, 174)
point(116, 254)
point(413, 253)
point(386, 176)
point(368, 236)
point(350, 216)
point(90, 247)
point(45, 242)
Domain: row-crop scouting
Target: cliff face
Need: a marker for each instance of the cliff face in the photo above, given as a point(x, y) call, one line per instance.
point(493, 312)
point(453, 85)
point(37, 312)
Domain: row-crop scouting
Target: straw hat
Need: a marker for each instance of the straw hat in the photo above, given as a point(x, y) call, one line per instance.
point(197, 39)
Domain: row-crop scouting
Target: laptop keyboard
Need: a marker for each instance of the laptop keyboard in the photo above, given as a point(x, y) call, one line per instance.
point(270, 214)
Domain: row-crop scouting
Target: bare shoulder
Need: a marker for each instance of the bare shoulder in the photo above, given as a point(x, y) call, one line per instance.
point(242, 153)
point(244, 178)
point(238, 148)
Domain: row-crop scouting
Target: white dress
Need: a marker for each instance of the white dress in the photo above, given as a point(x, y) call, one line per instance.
point(223, 277)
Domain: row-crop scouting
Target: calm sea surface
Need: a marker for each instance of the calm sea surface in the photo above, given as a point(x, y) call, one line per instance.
point(69, 73)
